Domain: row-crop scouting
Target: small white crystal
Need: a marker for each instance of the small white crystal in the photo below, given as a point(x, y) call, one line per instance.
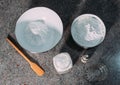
point(62, 63)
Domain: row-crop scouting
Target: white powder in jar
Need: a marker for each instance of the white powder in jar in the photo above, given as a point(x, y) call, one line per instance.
point(88, 30)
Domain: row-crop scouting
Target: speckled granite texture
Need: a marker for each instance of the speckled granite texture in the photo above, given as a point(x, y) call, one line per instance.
point(14, 70)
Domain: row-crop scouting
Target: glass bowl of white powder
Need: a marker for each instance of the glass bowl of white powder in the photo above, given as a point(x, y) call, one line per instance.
point(88, 30)
point(39, 29)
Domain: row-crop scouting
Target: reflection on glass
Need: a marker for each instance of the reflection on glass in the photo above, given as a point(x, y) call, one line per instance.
point(97, 73)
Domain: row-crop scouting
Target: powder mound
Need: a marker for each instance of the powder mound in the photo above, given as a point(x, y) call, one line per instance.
point(36, 32)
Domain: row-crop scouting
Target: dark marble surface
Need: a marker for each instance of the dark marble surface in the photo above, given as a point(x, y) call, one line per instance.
point(14, 70)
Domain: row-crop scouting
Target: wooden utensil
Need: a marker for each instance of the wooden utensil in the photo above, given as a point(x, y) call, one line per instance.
point(33, 65)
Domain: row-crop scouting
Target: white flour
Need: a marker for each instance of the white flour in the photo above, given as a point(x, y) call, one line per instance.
point(39, 35)
point(36, 32)
point(88, 31)
point(91, 33)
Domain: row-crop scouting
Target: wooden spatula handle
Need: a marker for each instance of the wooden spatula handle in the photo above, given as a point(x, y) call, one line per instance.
point(34, 66)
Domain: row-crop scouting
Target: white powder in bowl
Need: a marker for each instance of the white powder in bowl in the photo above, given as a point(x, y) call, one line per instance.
point(39, 29)
point(36, 33)
point(37, 36)
point(88, 30)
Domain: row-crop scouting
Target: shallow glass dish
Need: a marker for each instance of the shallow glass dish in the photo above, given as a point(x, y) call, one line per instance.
point(88, 30)
point(39, 29)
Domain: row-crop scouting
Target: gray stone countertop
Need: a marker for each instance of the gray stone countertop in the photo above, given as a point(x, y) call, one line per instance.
point(14, 70)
